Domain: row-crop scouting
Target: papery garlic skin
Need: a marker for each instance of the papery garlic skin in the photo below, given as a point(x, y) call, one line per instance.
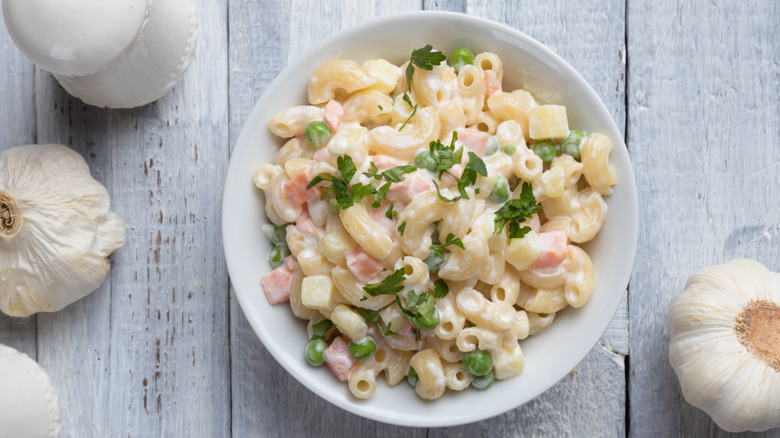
point(59, 253)
point(717, 373)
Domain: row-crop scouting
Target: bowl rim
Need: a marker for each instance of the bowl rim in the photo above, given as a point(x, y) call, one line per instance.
point(627, 180)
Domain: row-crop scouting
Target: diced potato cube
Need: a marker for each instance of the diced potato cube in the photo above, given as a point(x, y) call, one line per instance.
point(318, 292)
point(547, 121)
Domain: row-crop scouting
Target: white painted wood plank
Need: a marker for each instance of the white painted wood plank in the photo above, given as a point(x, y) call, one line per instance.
point(146, 354)
point(17, 127)
point(266, 400)
point(591, 401)
point(704, 130)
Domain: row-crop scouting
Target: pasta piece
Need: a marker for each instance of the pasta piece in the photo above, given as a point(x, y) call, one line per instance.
point(451, 320)
point(349, 322)
point(422, 129)
point(292, 121)
point(432, 87)
point(446, 348)
point(595, 152)
point(539, 321)
point(455, 376)
point(352, 291)
point(541, 300)
point(508, 360)
point(337, 75)
point(581, 280)
point(485, 313)
point(427, 364)
point(368, 107)
point(490, 61)
point(362, 380)
point(385, 74)
point(365, 231)
point(471, 90)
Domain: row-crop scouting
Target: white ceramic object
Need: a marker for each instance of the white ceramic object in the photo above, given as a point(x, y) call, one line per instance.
point(29, 407)
point(116, 54)
point(550, 355)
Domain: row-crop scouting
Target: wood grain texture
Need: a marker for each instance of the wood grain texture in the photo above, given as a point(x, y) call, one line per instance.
point(704, 129)
point(17, 127)
point(145, 354)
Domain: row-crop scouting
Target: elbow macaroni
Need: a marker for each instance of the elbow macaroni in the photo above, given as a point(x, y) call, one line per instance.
point(489, 291)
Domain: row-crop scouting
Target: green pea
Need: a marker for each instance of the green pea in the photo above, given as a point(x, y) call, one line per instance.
point(492, 146)
point(500, 192)
point(412, 377)
point(545, 149)
point(460, 57)
point(317, 133)
point(435, 260)
point(477, 362)
point(424, 323)
point(509, 150)
point(424, 160)
point(483, 382)
point(572, 143)
point(277, 255)
point(276, 234)
point(314, 352)
point(320, 329)
point(363, 348)
point(367, 314)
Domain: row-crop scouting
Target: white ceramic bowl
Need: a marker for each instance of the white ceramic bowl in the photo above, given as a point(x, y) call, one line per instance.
point(549, 355)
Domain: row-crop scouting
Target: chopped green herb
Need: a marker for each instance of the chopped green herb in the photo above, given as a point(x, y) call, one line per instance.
point(424, 58)
point(449, 240)
point(515, 212)
point(401, 228)
point(391, 285)
point(420, 310)
point(386, 331)
point(391, 214)
point(408, 100)
point(440, 288)
point(339, 187)
point(367, 314)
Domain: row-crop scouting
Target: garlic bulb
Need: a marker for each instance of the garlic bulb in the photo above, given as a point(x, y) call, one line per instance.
point(56, 229)
point(725, 344)
point(29, 406)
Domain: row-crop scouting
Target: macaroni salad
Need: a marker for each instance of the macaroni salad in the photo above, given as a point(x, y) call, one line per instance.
point(425, 219)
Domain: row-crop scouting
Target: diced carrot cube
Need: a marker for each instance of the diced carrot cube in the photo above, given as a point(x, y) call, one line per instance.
point(276, 285)
point(297, 191)
point(338, 358)
point(334, 112)
point(407, 189)
point(363, 266)
point(553, 249)
point(474, 141)
point(492, 84)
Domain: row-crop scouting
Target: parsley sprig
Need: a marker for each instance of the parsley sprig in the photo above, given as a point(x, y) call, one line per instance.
point(424, 58)
point(390, 285)
point(449, 240)
point(420, 310)
point(344, 194)
point(515, 212)
point(393, 175)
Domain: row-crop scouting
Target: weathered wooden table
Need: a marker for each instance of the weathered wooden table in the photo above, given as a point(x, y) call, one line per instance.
point(163, 349)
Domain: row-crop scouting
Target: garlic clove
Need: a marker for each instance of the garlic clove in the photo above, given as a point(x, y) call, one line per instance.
point(55, 250)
